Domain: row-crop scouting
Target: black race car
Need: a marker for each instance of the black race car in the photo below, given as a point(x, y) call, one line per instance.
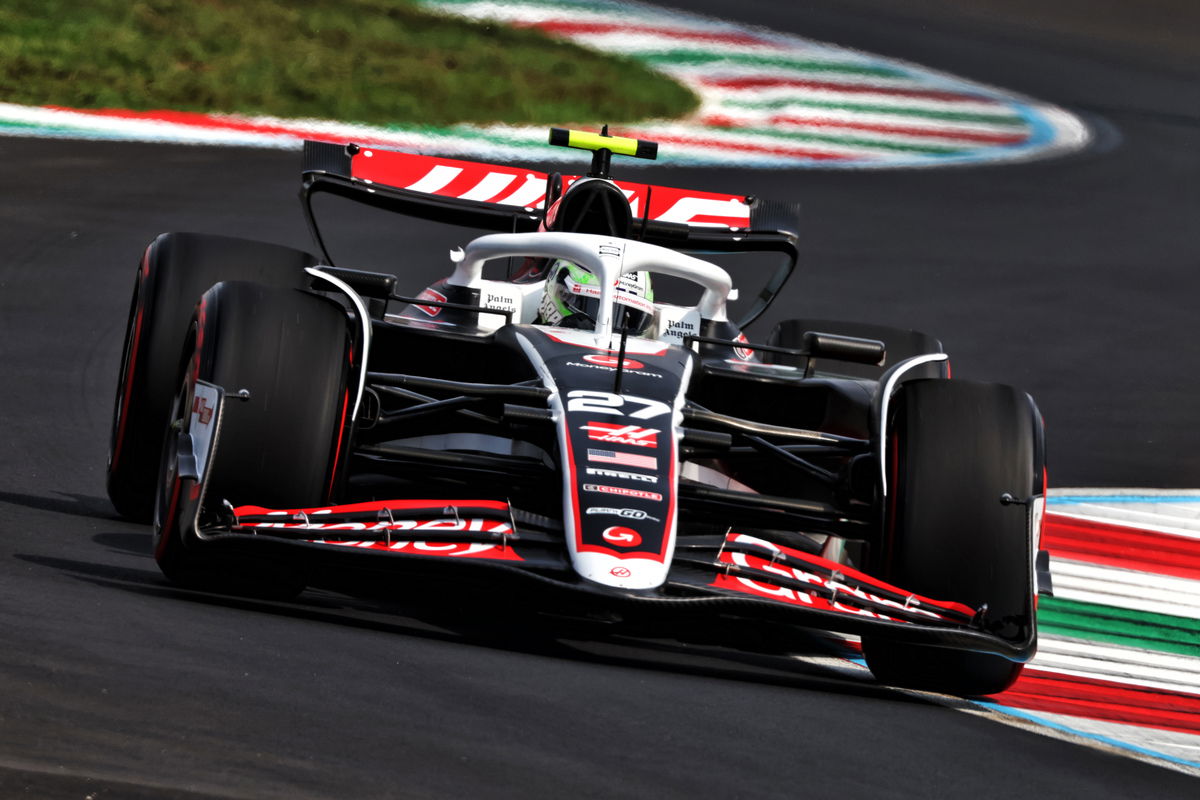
point(574, 414)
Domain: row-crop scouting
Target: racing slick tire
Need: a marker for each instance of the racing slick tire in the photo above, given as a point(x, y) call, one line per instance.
point(174, 271)
point(277, 444)
point(955, 449)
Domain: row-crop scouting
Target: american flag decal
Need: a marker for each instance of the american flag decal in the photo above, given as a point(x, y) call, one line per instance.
point(623, 459)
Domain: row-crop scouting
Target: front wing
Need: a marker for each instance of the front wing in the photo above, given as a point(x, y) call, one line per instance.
point(489, 544)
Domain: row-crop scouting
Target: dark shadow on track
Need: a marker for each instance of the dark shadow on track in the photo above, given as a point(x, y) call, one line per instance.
point(515, 630)
point(78, 505)
point(137, 544)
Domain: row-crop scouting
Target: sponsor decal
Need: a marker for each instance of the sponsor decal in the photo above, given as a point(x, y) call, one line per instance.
point(635, 346)
point(486, 550)
point(610, 369)
point(622, 434)
point(632, 288)
point(431, 294)
point(635, 460)
point(612, 361)
point(501, 301)
point(741, 352)
point(624, 513)
point(201, 424)
point(202, 411)
point(616, 473)
point(582, 289)
point(677, 329)
point(621, 536)
point(682, 327)
point(595, 402)
point(470, 524)
point(453, 549)
point(620, 572)
point(622, 491)
point(768, 567)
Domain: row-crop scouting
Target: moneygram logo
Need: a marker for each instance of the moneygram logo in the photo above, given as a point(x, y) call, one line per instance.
point(621, 536)
point(612, 361)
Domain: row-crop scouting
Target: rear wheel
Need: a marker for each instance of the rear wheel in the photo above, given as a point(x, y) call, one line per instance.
point(955, 449)
point(174, 271)
point(277, 448)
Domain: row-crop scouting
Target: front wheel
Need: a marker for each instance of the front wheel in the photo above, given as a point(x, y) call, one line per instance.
point(955, 448)
point(285, 351)
point(174, 271)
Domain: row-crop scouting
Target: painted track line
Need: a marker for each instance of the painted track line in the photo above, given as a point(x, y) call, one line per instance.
point(767, 100)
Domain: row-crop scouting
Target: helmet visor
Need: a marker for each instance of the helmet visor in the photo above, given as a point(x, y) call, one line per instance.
point(578, 295)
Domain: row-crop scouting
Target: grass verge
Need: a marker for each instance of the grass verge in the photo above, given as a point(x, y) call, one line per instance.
point(374, 61)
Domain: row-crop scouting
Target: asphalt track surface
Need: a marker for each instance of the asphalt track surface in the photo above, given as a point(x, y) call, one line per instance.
point(1075, 279)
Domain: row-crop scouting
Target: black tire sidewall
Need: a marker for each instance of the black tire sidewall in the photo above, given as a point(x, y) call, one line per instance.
point(174, 271)
point(954, 448)
point(288, 350)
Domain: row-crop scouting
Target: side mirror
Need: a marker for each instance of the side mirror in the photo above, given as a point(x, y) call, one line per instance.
point(844, 348)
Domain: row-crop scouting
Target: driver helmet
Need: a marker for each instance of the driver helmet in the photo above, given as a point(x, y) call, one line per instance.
point(572, 299)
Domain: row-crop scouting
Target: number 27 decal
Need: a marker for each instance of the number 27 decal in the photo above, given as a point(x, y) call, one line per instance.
point(609, 403)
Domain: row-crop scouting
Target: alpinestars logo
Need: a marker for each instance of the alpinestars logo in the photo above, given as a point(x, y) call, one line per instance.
point(625, 513)
point(622, 434)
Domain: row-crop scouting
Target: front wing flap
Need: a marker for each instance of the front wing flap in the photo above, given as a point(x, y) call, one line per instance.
point(732, 575)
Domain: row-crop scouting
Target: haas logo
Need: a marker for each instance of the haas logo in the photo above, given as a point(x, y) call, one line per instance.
point(622, 434)
point(202, 410)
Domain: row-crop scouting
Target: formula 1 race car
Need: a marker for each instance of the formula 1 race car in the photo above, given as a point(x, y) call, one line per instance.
point(574, 413)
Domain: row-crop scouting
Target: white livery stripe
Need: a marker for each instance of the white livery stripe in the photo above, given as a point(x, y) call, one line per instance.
point(437, 178)
point(529, 193)
point(489, 187)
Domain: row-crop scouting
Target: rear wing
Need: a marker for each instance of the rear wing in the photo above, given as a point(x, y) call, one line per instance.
point(511, 199)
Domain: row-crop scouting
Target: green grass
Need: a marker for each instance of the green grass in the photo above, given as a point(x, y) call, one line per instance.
point(374, 61)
